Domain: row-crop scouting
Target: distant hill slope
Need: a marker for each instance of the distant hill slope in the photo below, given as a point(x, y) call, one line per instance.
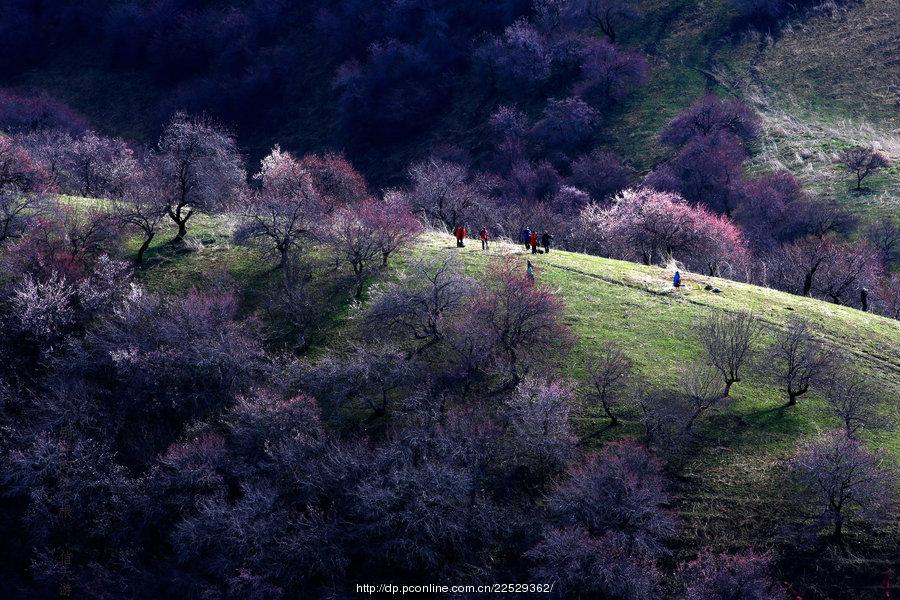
point(821, 80)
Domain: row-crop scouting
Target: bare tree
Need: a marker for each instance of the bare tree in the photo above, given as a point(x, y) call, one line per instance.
point(356, 243)
point(609, 371)
point(862, 162)
point(423, 308)
point(139, 208)
point(837, 479)
point(607, 15)
point(854, 400)
point(798, 359)
point(443, 191)
point(702, 386)
point(727, 340)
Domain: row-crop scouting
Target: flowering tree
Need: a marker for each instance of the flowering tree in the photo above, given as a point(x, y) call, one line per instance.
point(285, 208)
point(581, 564)
point(837, 480)
point(619, 491)
point(392, 220)
point(335, 179)
point(706, 169)
point(566, 124)
point(538, 417)
point(770, 210)
point(97, 166)
point(19, 171)
point(711, 115)
point(514, 314)
point(22, 180)
point(352, 238)
point(652, 226)
point(862, 162)
point(519, 57)
point(198, 168)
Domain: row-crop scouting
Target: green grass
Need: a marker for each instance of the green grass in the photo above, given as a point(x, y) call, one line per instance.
point(608, 300)
point(636, 307)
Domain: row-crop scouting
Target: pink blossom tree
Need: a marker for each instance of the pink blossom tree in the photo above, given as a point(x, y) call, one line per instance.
point(654, 226)
point(283, 211)
point(392, 220)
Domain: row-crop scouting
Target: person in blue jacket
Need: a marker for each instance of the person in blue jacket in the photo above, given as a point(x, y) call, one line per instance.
point(526, 234)
point(676, 281)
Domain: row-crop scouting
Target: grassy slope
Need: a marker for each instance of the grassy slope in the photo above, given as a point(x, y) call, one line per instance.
point(636, 306)
point(728, 495)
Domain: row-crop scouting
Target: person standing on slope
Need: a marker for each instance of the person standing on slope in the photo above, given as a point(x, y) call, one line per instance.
point(461, 236)
point(483, 236)
point(533, 241)
point(526, 237)
point(545, 241)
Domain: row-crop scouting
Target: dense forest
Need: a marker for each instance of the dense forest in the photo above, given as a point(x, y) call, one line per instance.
point(242, 357)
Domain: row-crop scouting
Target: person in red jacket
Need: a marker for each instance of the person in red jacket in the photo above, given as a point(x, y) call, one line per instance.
point(533, 242)
point(461, 236)
point(483, 236)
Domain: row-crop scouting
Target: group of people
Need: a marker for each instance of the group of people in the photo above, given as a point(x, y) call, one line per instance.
point(460, 232)
point(531, 238)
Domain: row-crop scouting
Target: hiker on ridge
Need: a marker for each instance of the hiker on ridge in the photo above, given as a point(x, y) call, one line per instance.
point(483, 236)
point(533, 242)
point(526, 236)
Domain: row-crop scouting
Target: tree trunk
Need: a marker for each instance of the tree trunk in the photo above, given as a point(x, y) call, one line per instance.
point(807, 283)
point(146, 244)
point(792, 398)
point(728, 384)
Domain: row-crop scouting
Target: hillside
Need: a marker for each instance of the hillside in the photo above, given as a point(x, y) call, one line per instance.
point(611, 300)
point(815, 92)
point(723, 495)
